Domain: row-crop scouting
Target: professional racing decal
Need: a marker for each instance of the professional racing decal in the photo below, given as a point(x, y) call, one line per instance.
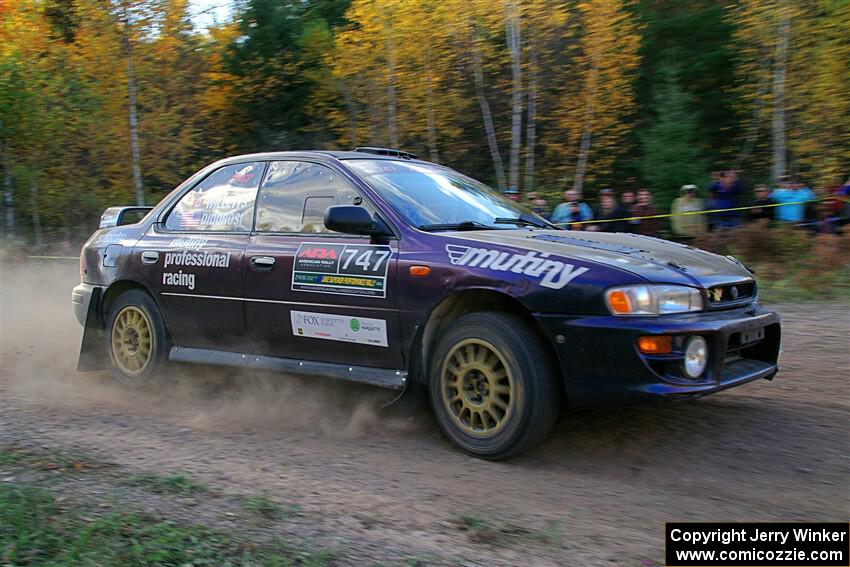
point(207, 259)
point(346, 269)
point(554, 273)
point(361, 330)
point(179, 279)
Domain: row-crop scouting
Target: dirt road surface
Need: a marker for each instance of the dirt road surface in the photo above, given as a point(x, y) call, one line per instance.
point(382, 486)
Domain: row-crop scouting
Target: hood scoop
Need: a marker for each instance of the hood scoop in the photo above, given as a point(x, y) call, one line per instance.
point(618, 248)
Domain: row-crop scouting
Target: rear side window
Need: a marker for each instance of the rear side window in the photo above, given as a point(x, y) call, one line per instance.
point(296, 195)
point(223, 201)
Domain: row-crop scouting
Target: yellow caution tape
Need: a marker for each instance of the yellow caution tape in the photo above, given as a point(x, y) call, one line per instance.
point(688, 213)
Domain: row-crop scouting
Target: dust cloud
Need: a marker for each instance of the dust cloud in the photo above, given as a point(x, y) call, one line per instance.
point(39, 343)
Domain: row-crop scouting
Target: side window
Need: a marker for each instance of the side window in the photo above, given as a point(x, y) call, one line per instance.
point(224, 201)
point(296, 195)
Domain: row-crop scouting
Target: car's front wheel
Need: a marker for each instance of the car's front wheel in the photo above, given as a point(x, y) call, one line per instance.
point(492, 385)
point(135, 339)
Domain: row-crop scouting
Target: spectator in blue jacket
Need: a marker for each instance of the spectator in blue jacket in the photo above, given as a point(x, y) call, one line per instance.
point(792, 195)
point(565, 212)
point(724, 195)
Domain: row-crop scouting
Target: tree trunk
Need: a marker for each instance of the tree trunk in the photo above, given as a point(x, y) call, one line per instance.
point(531, 126)
point(36, 215)
point(587, 129)
point(753, 128)
point(8, 196)
point(478, 77)
point(512, 36)
point(779, 166)
point(392, 123)
point(134, 121)
point(429, 101)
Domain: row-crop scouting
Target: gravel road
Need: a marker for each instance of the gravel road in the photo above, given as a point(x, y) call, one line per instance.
point(381, 485)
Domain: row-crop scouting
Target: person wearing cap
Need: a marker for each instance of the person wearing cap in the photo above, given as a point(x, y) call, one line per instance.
point(611, 211)
point(687, 226)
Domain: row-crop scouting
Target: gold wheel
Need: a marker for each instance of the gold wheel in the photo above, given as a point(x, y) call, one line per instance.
point(477, 388)
point(132, 341)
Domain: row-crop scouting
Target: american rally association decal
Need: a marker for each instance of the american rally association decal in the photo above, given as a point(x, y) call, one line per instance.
point(553, 273)
point(343, 269)
point(360, 330)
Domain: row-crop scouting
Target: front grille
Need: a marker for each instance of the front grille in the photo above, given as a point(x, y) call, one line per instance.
point(733, 293)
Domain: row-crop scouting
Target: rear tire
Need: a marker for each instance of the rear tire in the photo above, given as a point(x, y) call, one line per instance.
point(493, 386)
point(136, 341)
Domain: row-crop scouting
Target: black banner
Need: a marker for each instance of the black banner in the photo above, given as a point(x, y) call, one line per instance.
point(754, 544)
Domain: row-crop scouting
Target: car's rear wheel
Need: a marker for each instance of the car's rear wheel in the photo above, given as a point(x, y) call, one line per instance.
point(492, 386)
point(136, 339)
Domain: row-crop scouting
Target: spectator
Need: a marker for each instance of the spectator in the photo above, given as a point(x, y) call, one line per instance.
point(645, 208)
point(628, 200)
point(537, 204)
point(686, 227)
point(764, 210)
point(610, 210)
point(565, 211)
point(512, 194)
point(793, 196)
point(724, 194)
point(826, 221)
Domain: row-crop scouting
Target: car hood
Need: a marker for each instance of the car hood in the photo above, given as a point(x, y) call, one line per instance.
point(653, 259)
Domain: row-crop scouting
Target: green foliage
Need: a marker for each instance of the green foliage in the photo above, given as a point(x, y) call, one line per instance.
point(34, 531)
point(267, 508)
point(671, 154)
point(168, 484)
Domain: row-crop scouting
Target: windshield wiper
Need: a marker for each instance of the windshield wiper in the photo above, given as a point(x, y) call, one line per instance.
point(465, 225)
point(524, 220)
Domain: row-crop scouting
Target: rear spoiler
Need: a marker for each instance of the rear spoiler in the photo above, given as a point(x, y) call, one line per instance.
point(119, 216)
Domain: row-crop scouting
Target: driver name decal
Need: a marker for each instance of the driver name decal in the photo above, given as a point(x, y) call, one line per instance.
point(554, 274)
point(342, 269)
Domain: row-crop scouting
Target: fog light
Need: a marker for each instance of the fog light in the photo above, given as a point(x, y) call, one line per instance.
point(696, 357)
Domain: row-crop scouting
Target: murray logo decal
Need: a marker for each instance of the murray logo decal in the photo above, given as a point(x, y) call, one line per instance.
point(553, 273)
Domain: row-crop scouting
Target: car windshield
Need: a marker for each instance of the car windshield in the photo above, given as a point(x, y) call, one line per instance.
point(431, 197)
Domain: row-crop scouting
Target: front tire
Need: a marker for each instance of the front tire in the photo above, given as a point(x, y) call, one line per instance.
point(493, 386)
point(135, 340)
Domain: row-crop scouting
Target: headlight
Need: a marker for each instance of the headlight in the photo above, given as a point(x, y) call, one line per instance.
point(653, 299)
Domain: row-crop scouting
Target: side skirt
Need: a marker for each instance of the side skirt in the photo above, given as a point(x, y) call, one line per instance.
point(383, 377)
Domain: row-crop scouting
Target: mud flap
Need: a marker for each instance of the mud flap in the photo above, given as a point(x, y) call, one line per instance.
point(92, 350)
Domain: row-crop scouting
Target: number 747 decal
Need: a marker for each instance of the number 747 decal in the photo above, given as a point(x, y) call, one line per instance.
point(342, 269)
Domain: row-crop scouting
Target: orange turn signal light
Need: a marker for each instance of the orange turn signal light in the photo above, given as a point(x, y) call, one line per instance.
point(660, 344)
point(419, 271)
point(619, 302)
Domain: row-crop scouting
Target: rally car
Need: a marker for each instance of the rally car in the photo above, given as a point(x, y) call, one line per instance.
point(376, 267)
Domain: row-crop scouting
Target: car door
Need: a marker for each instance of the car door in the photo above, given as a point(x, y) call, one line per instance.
point(193, 260)
point(313, 294)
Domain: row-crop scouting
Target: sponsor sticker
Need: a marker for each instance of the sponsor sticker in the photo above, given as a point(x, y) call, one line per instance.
point(360, 330)
point(553, 274)
point(343, 269)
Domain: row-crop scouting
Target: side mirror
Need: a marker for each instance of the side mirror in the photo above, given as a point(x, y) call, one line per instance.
point(352, 219)
point(119, 216)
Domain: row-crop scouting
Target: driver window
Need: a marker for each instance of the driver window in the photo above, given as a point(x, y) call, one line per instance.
point(295, 196)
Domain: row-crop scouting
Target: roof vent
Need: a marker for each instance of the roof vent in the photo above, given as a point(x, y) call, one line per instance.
point(386, 152)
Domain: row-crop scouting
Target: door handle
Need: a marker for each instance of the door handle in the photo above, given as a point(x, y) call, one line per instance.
point(150, 257)
point(262, 263)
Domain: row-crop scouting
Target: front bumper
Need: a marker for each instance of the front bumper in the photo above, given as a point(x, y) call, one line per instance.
point(602, 365)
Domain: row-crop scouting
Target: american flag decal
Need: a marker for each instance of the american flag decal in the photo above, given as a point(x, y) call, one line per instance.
point(190, 219)
point(456, 253)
